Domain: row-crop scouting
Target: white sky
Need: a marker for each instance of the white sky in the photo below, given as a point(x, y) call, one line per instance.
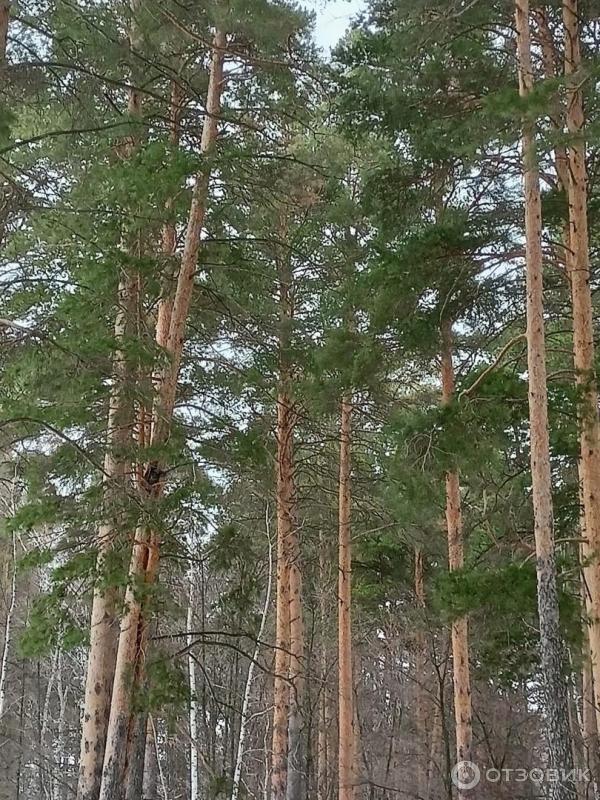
point(333, 17)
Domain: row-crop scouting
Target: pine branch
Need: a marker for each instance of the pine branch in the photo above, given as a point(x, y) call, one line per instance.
point(479, 380)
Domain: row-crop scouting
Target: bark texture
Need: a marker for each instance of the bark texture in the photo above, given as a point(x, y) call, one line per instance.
point(555, 690)
point(346, 750)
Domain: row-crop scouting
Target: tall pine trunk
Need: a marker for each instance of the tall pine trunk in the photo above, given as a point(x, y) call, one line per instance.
point(297, 777)
point(583, 330)
point(460, 627)
point(104, 625)
point(286, 489)
point(346, 751)
point(285, 529)
point(118, 483)
point(288, 767)
point(146, 550)
point(551, 646)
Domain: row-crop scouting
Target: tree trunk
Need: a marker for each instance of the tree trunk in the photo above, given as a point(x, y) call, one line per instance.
point(421, 677)
point(575, 730)
point(245, 719)
point(589, 728)
point(288, 689)
point(436, 750)
point(287, 519)
point(346, 750)
point(8, 626)
point(117, 483)
point(103, 625)
point(145, 555)
point(325, 769)
point(589, 721)
point(583, 330)
point(460, 627)
point(285, 524)
point(296, 726)
point(62, 751)
point(150, 783)
point(135, 756)
point(556, 704)
point(193, 711)
point(169, 234)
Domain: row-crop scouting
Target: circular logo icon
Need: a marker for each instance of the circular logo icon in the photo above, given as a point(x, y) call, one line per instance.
point(465, 775)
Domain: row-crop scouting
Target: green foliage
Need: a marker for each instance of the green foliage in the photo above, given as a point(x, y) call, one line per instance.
point(167, 687)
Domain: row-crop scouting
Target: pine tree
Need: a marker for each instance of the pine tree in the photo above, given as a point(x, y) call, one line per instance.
point(559, 737)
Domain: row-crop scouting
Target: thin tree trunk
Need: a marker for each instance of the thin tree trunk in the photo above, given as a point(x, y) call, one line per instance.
point(19, 768)
point(583, 329)
point(62, 754)
point(193, 711)
point(551, 645)
point(45, 747)
point(8, 627)
point(437, 746)
point(575, 729)
point(421, 676)
point(563, 171)
point(245, 719)
point(589, 721)
point(150, 784)
point(324, 768)
point(145, 555)
point(463, 714)
point(169, 233)
point(135, 754)
point(287, 687)
point(346, 749)
point(287, 516)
